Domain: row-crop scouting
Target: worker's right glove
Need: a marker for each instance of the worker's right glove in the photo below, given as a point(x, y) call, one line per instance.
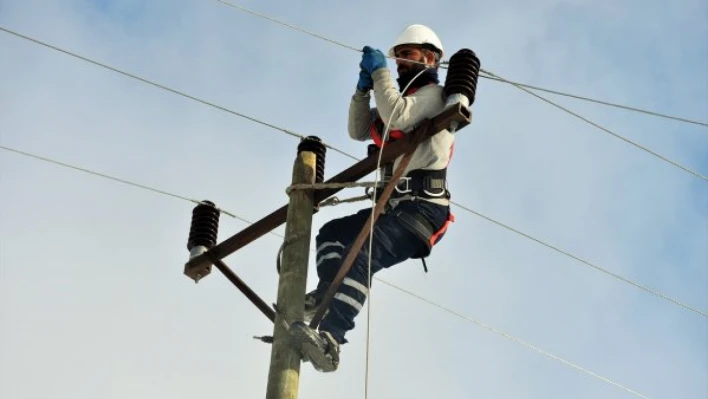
point(372, 60)
point(365, 83)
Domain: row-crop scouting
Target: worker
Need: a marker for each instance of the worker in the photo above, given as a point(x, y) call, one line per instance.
point(417, 214)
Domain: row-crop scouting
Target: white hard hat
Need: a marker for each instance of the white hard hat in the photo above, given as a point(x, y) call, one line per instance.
point(417, 34)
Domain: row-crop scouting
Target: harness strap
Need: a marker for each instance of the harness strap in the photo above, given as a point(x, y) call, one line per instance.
point(423, 229)
point(377, 126)
point(438, 234)
point(420, 183)
point(423, 183)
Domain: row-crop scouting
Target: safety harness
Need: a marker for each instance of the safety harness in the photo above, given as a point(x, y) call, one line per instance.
point(418, 183)
point(423, 229)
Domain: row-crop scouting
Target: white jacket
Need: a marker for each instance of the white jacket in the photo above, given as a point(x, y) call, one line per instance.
point(427, 102)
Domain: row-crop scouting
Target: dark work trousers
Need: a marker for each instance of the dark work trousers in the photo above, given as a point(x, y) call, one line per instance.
point(392, 244)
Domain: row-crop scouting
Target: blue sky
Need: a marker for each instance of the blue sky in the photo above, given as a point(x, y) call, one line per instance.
point(93, 302)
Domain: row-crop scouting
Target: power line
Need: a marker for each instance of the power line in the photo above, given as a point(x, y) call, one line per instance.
point(259, 15)
point(297, 135)
point(327, 145)
point(519, 341)
point(615, 105)
point(163, 87)
point(105, 176)
point(493, 78)
point(585, 262)
point(289, 132)
point(469, 319)
point(530, 237)
point(663, 158)
point(469, 210)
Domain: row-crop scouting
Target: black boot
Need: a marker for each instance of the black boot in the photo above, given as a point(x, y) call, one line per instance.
point(319, 348)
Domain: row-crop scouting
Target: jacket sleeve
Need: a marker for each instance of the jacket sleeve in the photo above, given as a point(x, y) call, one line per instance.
point(409, 110)
point(360, 116)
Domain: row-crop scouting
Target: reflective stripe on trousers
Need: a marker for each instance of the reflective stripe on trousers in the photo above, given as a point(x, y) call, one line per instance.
point(392, 244)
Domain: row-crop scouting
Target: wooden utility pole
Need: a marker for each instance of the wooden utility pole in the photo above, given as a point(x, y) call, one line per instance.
point(284, 372)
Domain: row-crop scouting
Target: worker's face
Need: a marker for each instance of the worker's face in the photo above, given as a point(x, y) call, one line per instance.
point(412, 53)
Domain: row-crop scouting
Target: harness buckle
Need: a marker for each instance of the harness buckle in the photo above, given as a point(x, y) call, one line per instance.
point(408, 189)
point(437, 184)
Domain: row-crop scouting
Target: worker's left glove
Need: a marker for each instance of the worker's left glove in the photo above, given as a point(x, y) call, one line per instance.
point(365, 82)
point(372, 60)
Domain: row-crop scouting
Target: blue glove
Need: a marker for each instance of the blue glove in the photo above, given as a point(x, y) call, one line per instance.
point(365, 83)
point(372, 60)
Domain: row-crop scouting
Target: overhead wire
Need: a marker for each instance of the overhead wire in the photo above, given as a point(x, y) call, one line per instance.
point(608, 131)
point(586, 262)
point(601, 102)
point(289, 132)
point(92, 172)
point(407, 292)
point(163, 87)
point(279, 22)
point(565, 109)
point(493, 78)
point(199, 100)
point(518, 341)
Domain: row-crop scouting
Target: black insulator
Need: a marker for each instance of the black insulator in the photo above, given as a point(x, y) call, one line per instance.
point(314, 144)
point(205, 225)
point(462, 75)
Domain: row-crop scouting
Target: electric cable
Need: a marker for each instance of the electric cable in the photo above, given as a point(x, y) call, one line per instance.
point(601, 102)
point(562, 108)
point(463, 207)
point(407, 292)
point(291, 134)
point(518, 341)
point(279, 22)
point(657, 155)
point(586, 262)
point(493, 78)
point(287, 131)
point(244, 116)
point(183, 94)
point(163, 87)
point(105, 176)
